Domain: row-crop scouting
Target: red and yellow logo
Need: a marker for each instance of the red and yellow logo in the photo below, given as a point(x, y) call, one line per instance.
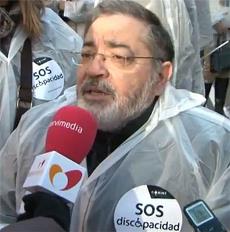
point(71, 177)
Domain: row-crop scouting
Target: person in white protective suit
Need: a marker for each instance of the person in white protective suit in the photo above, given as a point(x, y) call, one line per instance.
point(220, 14)
point(205, 24)
point(73, 12)
point(149, 133)
point(54, 46)
point(180, 18)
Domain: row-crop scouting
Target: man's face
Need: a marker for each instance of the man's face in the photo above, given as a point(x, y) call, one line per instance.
point(114, 91)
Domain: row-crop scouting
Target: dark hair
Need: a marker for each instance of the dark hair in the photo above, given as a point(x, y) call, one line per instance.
point(158, 39)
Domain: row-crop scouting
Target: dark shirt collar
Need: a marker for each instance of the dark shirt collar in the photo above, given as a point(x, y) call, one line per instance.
point(106, 142)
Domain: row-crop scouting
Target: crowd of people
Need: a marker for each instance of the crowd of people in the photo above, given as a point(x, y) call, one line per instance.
point(149, 72)
point(47, 67)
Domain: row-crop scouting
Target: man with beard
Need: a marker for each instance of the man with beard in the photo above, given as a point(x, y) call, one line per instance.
point(149, 133)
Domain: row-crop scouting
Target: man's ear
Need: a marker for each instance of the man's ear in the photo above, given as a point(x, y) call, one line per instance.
point(167, 70)
point(164, 76)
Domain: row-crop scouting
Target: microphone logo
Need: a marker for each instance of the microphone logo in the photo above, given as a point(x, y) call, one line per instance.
point(67, 125)
point(63, 180)
point(41, 163)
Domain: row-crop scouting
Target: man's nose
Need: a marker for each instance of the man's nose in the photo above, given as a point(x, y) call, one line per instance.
point(97, 66)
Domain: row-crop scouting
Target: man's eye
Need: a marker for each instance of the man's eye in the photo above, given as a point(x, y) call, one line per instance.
point(120, 59)
point(129, 60)
point(87, 55)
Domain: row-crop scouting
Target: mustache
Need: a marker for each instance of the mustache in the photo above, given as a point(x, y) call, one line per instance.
point(99, 85)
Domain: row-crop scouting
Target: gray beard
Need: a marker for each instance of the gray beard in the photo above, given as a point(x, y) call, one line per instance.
point(116, 115)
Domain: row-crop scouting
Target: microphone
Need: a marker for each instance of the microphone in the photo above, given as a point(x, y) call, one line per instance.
point(71, 133)
point(69, 139)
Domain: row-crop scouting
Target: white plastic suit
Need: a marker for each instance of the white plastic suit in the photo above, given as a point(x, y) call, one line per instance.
point(11, 165)
point(222, 13)
point(183, 148)
point(181, 21)
point(54, 66)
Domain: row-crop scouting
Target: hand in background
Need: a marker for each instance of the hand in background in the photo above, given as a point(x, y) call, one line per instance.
point(220, 27)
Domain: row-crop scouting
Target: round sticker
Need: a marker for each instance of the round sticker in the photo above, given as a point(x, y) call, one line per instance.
point(148, 208)
point(48, 79)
